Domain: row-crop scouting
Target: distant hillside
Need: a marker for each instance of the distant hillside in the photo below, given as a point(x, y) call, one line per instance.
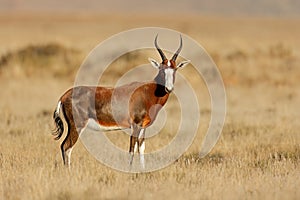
point(223, 7)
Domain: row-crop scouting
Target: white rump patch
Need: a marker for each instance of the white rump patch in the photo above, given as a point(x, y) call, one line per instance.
point(58, 107)
point(169, 78)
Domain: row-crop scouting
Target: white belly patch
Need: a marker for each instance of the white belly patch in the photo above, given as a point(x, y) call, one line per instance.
point(92, 124)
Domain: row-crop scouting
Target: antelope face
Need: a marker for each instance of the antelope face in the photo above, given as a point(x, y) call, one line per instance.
point(169, 78)
point(167, 72)
point(168, 68)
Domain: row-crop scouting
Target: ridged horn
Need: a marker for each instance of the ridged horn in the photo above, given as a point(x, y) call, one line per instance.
point(178, 50)
point(161, 53)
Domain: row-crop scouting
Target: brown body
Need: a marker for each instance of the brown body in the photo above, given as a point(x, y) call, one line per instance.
point(133, 105)
point(136, 103)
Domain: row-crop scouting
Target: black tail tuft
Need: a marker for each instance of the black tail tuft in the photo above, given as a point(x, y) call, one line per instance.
point(59, 129)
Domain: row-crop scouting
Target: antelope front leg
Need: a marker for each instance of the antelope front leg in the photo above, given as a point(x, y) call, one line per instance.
point(141, 142)
point(133, 142)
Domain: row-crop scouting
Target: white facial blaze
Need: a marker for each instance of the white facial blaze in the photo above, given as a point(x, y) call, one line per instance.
point(169, 79)
point(169, 63)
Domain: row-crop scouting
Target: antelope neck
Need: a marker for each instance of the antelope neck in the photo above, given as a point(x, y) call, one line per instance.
point(160, 86)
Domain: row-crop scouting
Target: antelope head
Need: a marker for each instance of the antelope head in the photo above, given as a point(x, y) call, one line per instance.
point(167, 68)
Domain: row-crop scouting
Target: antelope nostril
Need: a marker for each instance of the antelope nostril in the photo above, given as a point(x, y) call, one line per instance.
point(168, 90)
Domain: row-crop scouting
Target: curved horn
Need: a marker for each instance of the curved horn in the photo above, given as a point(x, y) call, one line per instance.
point(178, 50)
point(162, 55)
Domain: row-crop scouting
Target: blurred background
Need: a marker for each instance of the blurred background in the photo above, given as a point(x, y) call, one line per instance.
point(254, 43)
point(281, 8)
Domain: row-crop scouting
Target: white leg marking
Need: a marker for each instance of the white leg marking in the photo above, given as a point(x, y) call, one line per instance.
point(130, 158)
point(68, 152)
point(135, 147)
point(141, 134)
point(68, 156)
point(142, 148)
point(142, 158)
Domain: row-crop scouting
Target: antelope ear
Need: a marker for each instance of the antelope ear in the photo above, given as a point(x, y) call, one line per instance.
point(183, 63)
point(154, 63)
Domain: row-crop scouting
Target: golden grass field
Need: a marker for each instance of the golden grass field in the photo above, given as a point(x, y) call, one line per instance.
point(257, 156)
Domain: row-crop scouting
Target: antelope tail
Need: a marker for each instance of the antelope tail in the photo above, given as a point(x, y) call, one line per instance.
point(59, 125)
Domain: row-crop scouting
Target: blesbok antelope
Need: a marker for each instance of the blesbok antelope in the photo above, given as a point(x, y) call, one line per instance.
point(134, 105)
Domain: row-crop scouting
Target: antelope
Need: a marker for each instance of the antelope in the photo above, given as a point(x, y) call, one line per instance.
point(137, 105)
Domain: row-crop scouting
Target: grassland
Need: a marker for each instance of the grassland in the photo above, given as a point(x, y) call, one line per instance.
point(257, 156)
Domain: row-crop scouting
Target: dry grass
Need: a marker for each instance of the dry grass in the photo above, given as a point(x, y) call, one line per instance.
point(41, 60)
point(252, 162)
point(257, 157)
